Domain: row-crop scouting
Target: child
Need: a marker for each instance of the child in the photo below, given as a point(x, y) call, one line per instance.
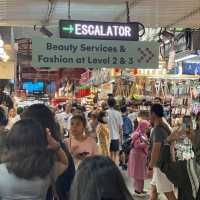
point(80, 144)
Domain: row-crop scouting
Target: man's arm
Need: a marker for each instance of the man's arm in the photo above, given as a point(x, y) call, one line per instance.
point(121, 128)
point(155, 154)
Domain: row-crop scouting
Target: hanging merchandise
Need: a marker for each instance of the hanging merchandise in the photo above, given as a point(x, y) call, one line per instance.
point(122, 88)
point(83, 91)
point(100, 76)
point(135, 72)
point(107, 88)
point(116, 72)
point(157, 87)
point(137, 89)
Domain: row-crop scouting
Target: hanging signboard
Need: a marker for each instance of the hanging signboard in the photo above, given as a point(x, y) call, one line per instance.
point(72, 53)
point(99, 30)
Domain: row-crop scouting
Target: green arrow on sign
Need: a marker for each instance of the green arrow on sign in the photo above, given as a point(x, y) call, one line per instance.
point(69, 28)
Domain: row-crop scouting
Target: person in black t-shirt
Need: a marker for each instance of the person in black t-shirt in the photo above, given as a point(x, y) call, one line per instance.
point(160, 182)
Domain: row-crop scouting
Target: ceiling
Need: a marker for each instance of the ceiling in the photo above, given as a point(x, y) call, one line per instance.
point(152, 13)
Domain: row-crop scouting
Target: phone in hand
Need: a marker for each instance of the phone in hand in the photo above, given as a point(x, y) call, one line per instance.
point(144, 139)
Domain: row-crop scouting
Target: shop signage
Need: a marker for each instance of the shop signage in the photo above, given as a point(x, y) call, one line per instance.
point(72, 53)
point(99, 30)
point(191, 68)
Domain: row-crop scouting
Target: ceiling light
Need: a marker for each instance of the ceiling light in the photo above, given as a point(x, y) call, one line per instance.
point(1, 43)
point(186, 57)
point(5, 58)
point(2, 51)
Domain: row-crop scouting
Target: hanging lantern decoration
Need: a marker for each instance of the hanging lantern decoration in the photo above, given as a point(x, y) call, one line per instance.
point(135, 72)
point(116, 72)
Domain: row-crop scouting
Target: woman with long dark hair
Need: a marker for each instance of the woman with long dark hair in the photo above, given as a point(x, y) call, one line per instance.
point(184, 174)
point(98, 178)
point(46, 118)
point(34, 160)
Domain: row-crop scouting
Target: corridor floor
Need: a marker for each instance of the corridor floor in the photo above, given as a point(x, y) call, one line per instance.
point(130, 187)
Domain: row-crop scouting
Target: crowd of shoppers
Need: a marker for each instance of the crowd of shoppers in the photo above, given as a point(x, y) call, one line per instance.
point(69, 153)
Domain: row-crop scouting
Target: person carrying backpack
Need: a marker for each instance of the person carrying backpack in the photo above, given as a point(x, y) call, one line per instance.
point(127, 129)
point(127, 124)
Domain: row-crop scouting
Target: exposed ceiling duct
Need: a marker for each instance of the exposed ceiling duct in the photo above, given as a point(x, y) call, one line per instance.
point(154, 13)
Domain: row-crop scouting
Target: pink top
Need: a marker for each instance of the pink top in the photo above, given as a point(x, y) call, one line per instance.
point(137, 140)
point(138, 144)
point(76, 147)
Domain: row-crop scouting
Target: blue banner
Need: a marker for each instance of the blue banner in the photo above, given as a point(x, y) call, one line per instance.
point(191, 68)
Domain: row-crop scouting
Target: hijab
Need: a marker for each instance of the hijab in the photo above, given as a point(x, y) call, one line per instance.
point(143, 124)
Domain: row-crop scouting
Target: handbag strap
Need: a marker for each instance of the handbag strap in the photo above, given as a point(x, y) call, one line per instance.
point(198, 194)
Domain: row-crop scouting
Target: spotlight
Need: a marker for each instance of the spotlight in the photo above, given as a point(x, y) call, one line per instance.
point(1, 43)
point(45, 31)
point(5, 58)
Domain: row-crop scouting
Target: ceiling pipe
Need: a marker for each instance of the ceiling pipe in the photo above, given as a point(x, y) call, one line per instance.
point(69, 9)
point(50, 10)
point(132, 4)
point(185, 17)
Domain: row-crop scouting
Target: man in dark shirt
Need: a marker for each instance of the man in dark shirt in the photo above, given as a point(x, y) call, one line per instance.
point(160, 132)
